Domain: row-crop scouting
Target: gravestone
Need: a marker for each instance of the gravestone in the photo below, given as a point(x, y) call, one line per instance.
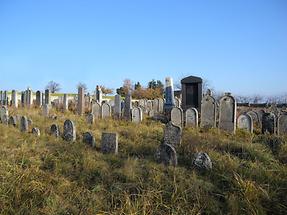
point(106, 111)
point(5, 98)
point(65, 102)
point(81, 101)
point(46, 110)
point(96, 110)
point(117, 107)
point(160, 105)
point(191, 89)
point(69, 133)
point(14, 99)
point(191, 117)
point(29, 99)
point(90, 119)
point(176, 116)
point(282, 124)
point(109, 143)
point(39, 98)
point(99, 94)
point(166, 154)
point(268, 123)
point(23, 99)
point(177, 102)
point(151, 113)
point(227, 113)
point(172, 134)
point(254, 116)
point(89, 139)
point(202, 161)
point(208, 111)
point(149, 105)
point(127, 107)
point(47, 97)
point(24, 124)
point(137, 115)
point(36, 132)
point(4, 115)
point(155, 105)
point(245, 122)
point(169, 95)
point(55, 130)
point(12, 121)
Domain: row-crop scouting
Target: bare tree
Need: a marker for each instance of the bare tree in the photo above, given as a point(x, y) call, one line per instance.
point(53, 87)
point(83, 85)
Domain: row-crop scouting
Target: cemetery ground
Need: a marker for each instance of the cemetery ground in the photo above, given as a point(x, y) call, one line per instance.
point(47, 175)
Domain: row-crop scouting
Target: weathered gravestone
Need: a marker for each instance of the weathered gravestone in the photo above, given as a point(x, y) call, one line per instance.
point(245, 122)
point(106, 111)
point(39, 98)
point(99, 94)
point(36, 132)
point(45, 110)
point(254, 116)
point(227, 113)
point(282, 124)
point(160, 105)
point(202, 161)
point(172, 134)
point(127, 107)
point(81, 101)
point(268, 123)
point(96, 110)
point(166, 154)
point(176, 116)
point(155, 104)
point(24, 127)
point(55, 130)
point(149, 105)
point(89, 139)
point(151, 113)
point(208, 111)
point(109, 143)
point(47, 97)
point(4, 115)
point(69, 133)
point(117, 107)
point(14, 99)
point(90, 118)
point(12, 121)
point(65, 102)
point(177, 102)
point(191, 117)
point(137, 115)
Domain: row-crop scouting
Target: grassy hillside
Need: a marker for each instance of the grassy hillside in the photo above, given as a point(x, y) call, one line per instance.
point(45, 175)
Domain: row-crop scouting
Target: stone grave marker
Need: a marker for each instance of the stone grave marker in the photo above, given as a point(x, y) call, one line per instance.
point(69, 133)
point(109, 143)
point(208, 111)
point(282, 124)
point(191, 117)
point(166, 154)
point(24, 127)
point(89, 139)
point(106, 111)
point(90, 118)
point(12, 121)
point(137, 115)
point(268, 123)
point(96, 110)
point(55, 130)
point(177, 116)
point(36, 132)
point(245, 122)
point(172, 134)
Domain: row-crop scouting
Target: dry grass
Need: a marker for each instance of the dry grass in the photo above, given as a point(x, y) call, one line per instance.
point(45, 175)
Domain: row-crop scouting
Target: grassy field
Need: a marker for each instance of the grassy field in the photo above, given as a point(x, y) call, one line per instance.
point(45, 175)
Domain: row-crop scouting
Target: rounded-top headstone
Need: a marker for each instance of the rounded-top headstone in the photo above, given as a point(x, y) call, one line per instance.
point(69, 133)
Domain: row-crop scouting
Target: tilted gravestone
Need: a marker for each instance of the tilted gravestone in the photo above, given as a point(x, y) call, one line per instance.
point(208, 111)
point(245, 122)
point(90, 118)
point(202, 161)
point(96, 110)
point(36, 131)
point(24, 124)
point(268, 123)
point(89, 139)
point(137, 115)
point(227, 113)
point(166, 154)
point(106, 111)
point(191, 117)
point(282, 124)
point(69, 133)
point(172, 134)
point(55, 130)
point(109, 143)
point(176, 116)
point(12, 121)
point(4, 115)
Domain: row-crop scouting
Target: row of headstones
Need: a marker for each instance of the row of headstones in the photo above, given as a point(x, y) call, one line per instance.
point(109, 142)
point(227, 117)
point(26, 98)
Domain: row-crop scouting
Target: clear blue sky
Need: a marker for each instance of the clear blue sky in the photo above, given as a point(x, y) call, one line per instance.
point(238, 45)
